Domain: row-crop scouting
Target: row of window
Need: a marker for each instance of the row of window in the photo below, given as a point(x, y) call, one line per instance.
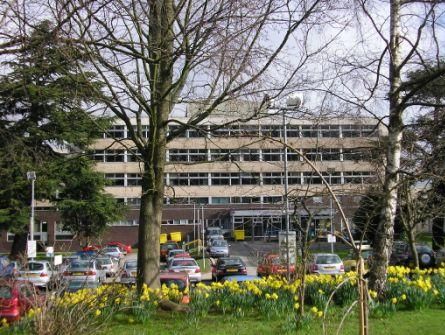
point(267, 130)
point(239, 155)
point(245, 178)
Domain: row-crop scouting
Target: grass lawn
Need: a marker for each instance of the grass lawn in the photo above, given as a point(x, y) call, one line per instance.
point(428, 322)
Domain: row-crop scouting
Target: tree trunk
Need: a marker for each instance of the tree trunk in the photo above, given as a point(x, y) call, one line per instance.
point(18, 248)
point(385, 230)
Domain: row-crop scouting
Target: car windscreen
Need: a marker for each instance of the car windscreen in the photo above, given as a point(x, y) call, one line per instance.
point(328, 259)
point(80, 265)
point(103, 261)
point(234, 261)
point(5, 292)
point(34, 267)
point(219, 243)
point(183, 262)
point(131, 265)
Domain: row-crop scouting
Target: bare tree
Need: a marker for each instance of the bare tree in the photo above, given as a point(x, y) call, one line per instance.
point(155, 55)
point(390, 39)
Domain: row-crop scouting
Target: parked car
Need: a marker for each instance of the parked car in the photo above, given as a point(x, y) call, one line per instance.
point(129, 272)
point(228, 266)
point(113, 252)
point(108, 265)
point(9, 270)
point(126, 248)
point(188, 265)
point(402, 255)
point(271, 264)
point(39, 273)
point(84, 270)
point(350, 261)
point(180, 280)
point(328, 264)
point(212, 238)
point(16, 298)
point(213, 231)
point(93, 247)
point(176, 252)
point(85, 255)
point(219, 248)
point(166, 247)
point(75, 285)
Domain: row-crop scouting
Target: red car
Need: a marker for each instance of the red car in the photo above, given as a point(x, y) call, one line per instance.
point(272, 265)
point(94, 247)
point(126, 248)
point(180, 279)
point(16, 298)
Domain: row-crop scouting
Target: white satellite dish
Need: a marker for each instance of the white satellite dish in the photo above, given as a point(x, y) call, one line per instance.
point(295, 100)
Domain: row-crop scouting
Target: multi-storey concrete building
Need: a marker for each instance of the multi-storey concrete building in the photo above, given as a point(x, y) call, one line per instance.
point(234, 176)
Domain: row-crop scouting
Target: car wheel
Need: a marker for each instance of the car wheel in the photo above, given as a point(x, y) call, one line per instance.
point(425, 260)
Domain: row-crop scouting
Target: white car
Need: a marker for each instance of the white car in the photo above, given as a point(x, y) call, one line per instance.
point(188, 265)
point(129, 272)
point(108, 265)
point(113, 252)
point(326, 264)
point(39, 273)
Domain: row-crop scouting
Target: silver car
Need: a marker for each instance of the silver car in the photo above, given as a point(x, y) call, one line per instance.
point(187, 265)
point(108, 265)
point(84, 270)
point(113, 252)
point(219, 248)
point(129, 272)
point(40, 273)
point(326, 264)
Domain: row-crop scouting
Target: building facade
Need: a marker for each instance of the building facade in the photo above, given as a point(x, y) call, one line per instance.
point(234, 177)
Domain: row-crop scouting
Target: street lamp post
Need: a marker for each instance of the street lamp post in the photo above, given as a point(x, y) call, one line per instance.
point(31, 175)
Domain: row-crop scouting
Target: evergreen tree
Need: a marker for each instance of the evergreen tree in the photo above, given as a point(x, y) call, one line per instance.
point(45, 104)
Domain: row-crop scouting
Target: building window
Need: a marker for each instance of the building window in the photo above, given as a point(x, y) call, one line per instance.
point(272, 155)
point(201, 200)
point(225, 178)
point(309, 131)
point(116, 179)
point(272, 178)
point(351, 130)
point(114, 156)
point(133, 155)
point(178, 201)
point(293, 156)
point(201, 131)
point(134, 202)
point(271, 130)
point(172, 129)
point(293, 130)
point(314, 155)
point(273, 200)
point(134, 179)
point(222, 155)
point(356, 154)
point(116, 132)
point(249, 178)
point(98, 155)
point(310, 178)
point(189, 179)
point(329, 130)
point(178, 155)
point(60, 233)
point(294, 178)
point(129, 222)
point(249, 155)
point(220, 200)
point(197, 155)
point(246, 200)
point(357, 177)
point(145, 130)
point(330, 155)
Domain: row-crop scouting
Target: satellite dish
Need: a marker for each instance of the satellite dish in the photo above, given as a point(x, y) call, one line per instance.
point(295, 100)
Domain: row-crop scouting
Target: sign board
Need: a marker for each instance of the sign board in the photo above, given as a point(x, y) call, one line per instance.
point(58, 260)
point(31, 249)
point(332, 238)
point(49, 251)
point(283, 246)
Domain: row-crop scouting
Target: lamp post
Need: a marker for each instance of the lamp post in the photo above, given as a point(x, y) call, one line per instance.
point(31, 175)
point(293, 103)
